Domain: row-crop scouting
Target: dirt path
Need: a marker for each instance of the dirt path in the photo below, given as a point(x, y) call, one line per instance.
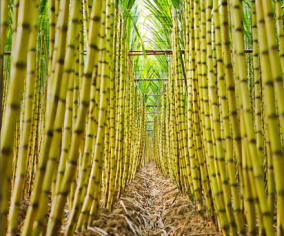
point(152, 205)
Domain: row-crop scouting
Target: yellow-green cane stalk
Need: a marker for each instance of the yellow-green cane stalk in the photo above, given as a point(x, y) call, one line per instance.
point(276, 72)
point(121, 127)
point(120, 108)
point(230, 83)
point(180, 110)
point(60, 198)
point(226, 121)
point(45, 176)
point(257, 82)
point(16, 5)
point(54, 153)
point(70, 112)
point(71, 109)
point(216, 124)
point(18, 73)
point(51, 35)
point(174, 149)
point(121, 158)
point(35, 136)
point(115, 114)
point(238, 40)
point(27, 122)
point(56, 74)
point(270, 108)
point(94, 185)
point(67, 131)
point(126, 135)
point(84, 170)
point(248, 198)
point(112, 106)
point(203, 102)
point(88, 150)
point(216, 190)
point(193, 162)
point(94, 212)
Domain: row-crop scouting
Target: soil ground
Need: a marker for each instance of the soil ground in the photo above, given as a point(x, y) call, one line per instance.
point(152, 205)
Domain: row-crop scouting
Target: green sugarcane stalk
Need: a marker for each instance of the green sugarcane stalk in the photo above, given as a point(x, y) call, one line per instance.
point(52, 163)
point(17, 193)
point(244, 95)
point(18, 73)
point(276, 72)
point(60, 199)
point(57, 68)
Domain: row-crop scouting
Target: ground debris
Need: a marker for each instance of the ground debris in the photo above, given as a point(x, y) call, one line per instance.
point(151, 205)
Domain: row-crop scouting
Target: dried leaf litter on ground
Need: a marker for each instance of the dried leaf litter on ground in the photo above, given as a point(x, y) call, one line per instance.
point(151, 205)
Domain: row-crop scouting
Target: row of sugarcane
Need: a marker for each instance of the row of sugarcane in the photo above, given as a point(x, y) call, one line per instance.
point(219, 138)
point(72, 135)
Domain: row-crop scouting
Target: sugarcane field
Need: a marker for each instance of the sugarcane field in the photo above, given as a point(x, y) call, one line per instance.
point(142, 118)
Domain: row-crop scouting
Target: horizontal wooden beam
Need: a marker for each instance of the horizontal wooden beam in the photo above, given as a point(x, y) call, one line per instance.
point(163, 52)
point(151, 52)
point(151, 105)
point(137, 80)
